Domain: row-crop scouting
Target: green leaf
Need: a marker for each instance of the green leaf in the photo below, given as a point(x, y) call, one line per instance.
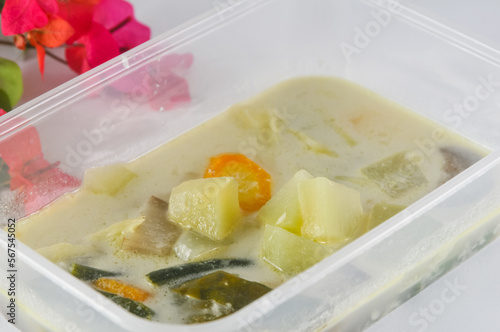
point(5, 101)
point(4, 174)
point(11, 84)
point(2, 2)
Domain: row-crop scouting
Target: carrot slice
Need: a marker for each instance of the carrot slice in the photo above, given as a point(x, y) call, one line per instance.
point(123, 289)
point(254, 183)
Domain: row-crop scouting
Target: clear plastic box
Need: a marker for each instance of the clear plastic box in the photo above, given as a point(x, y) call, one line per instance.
point(242, 47)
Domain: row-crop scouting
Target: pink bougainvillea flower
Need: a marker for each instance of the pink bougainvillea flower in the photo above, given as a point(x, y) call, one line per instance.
point(173, 91)
point(112, 12)
point(161, 83)
point(54, 34)
point(46, 187)
point(93, 49)
point(170, 88)
point(79, 14)
point(20, 16)
point(20, 148)
point(118, 17)
point(131, 34)
point(112, 30)
point(2, 112)
point(38, 181)
point(95, 30)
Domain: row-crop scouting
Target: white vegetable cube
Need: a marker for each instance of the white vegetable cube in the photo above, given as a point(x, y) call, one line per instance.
point(208, 206)
point(192, 245)
point(290, 253)
point(283, 208)
point(108, 179)
point(331, 212)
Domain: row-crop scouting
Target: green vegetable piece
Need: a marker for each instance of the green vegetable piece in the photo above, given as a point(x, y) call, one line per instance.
point(4, 174)
point(169, 274)
point(88, 273)
point(381, 212)
point(192, 245)
point(396, 175)
point(223, 288)
point(288, 252)
point(137, 308)
point(11, 84)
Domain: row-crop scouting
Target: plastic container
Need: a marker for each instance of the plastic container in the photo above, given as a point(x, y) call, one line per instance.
point(238, 50)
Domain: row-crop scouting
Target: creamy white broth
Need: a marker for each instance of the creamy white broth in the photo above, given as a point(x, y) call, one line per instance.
point(327, 126)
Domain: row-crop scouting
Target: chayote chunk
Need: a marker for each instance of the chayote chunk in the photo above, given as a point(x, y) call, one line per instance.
point(396, 175)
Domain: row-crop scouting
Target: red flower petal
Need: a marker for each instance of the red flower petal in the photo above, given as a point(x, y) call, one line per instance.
point(131, 35)
point(18, 149)
point(160, 83)
point(40, 51)
point(110, 13)
point(46, 188)
point(18, 182)
point(172, 91)
point(2, 112)
point(54, 34)
point(79, 14)
point(98, 47)
point(77, 59)
point(38, 181)
point(49, 6)
point(20, 16)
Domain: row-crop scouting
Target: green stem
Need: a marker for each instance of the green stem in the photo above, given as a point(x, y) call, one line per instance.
point(5, 42)
point(55, 57)
point(52, 55)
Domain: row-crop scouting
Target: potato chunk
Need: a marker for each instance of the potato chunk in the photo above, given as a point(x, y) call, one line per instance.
point(208, 206)
point(283, 208)
point(108, 179)
point(290, 253)
point(331, 212)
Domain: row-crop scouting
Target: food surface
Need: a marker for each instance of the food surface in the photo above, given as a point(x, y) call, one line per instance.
point(221, 215)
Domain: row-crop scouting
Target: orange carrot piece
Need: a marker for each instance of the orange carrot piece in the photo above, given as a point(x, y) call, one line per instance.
point(121, 288)
point(254, 183)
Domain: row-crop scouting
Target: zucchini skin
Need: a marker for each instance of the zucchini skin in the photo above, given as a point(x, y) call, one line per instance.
point(134, 307)
point(174, 273)
point(88, 273)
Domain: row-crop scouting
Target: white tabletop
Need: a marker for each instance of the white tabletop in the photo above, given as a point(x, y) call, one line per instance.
point(474, 285)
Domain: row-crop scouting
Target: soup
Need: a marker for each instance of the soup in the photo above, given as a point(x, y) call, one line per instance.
point(217, 217)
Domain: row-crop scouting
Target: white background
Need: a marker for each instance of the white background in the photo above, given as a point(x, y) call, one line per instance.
point(467, 298)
